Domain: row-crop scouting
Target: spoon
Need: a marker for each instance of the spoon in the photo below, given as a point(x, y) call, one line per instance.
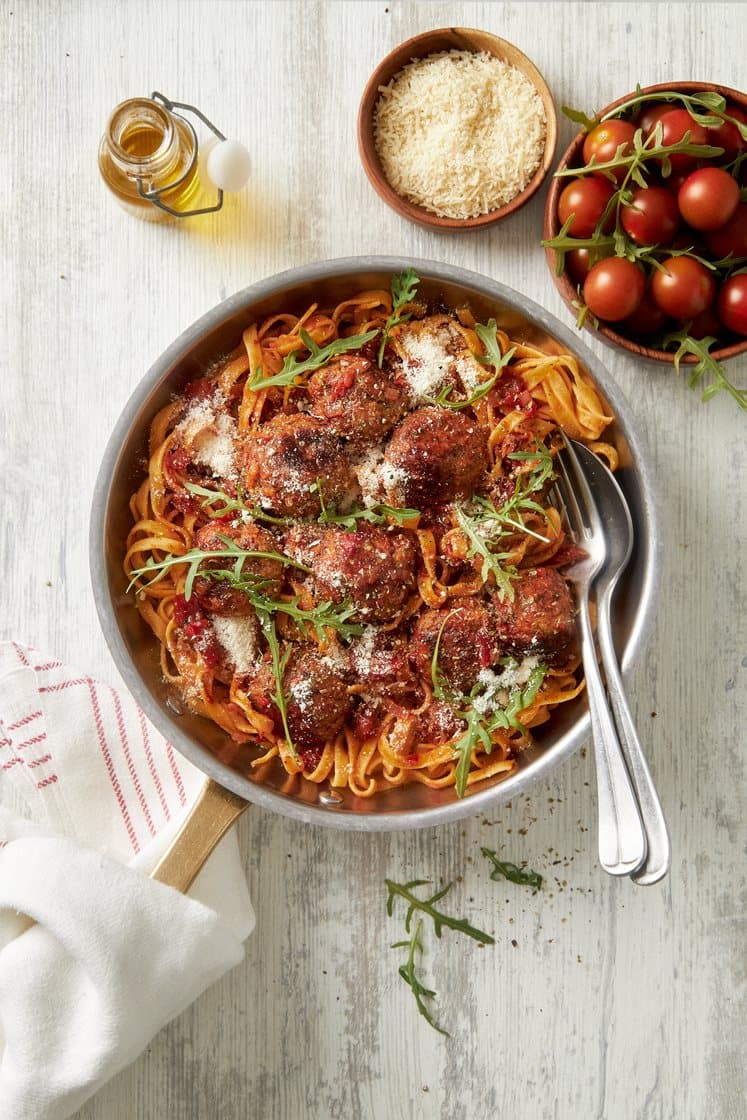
point(619, 533)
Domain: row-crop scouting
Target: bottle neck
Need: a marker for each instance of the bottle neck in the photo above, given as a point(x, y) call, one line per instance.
point(143, 142)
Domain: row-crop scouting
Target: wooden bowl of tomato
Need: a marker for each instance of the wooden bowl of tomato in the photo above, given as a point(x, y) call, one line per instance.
point(645, 227)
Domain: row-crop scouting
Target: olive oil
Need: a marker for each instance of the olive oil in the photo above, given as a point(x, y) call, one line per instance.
point(146, 149)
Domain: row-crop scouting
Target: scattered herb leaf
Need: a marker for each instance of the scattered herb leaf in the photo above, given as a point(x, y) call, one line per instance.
point(705, 366)
point(279, 661)
point(404, 287)
point(477, 519)
point(323, 616)
point(318, 356)
point(407, 971)
point(504, 870)
point(377, 514)
point(428, 906)
point(216, 503)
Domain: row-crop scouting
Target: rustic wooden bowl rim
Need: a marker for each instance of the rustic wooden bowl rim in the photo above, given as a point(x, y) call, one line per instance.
point(420, 46)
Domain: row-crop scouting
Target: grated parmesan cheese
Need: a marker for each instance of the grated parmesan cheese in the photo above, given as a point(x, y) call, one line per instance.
point(238, 636)
point(433, 353)
point(376, 477)
point(210, 434)
point(459, 133)
point(497, 686)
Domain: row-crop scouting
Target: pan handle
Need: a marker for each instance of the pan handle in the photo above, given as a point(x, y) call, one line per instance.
point(212, 814)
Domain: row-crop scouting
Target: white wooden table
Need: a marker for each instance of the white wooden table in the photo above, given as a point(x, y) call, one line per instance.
point(599, 999)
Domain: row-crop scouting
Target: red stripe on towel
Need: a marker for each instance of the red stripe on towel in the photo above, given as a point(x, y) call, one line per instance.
point(152, 765)
point(130, 765)
point(110, 765)
point(31, 742)
point(177, 776)
point(38, 761)
point(24, 721)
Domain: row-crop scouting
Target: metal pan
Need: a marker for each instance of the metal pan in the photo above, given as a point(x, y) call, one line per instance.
point(135, 651)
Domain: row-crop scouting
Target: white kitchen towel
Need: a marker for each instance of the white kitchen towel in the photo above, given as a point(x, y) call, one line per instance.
point(95, 957)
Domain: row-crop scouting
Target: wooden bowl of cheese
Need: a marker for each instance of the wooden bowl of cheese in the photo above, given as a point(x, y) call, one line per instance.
point(456, 129)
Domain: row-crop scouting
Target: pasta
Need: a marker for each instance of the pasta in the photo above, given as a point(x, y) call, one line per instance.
point(345, 545)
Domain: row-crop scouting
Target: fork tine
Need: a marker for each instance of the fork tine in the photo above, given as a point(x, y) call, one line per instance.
point(578, 484)
point(568, 499)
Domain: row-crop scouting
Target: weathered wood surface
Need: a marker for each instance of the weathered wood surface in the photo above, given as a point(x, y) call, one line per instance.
point(599, 999)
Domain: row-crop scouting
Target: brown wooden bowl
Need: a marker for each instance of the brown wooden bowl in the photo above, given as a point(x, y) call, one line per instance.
point(432, 42)
point(565, 283)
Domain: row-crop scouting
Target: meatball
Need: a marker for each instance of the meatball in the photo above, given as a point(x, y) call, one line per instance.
point(469, 641)
point(356, 399)
point(438, 723)
point(283, 460)
point(378, 660)
point(218, 597)
point(373, 567)
point(434, 455)
point(316, 699)
point(539, 619)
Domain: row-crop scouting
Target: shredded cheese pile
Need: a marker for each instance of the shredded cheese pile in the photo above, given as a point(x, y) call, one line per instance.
point(459, 133)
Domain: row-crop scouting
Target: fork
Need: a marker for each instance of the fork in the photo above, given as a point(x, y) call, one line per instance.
point(622, 840)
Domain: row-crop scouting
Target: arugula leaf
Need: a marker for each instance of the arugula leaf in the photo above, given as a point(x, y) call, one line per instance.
point(197, 556)
point(404, 287)
point(477, 734)
point(491, 560)
point(323, 616)
point(503, 870)
point(377, 514)
point(579, 117)
point(706, 365)
point(427, 906)
point(479, 725)
point(407, 972)
point(293, 367)
point(474, 525)
point(279, 663)
point(211, 498)
point(488, 336)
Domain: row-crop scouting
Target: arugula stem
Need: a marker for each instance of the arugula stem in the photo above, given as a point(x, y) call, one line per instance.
point(408, 974)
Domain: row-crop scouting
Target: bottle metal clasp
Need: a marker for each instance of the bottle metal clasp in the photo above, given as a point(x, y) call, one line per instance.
point(154, 196)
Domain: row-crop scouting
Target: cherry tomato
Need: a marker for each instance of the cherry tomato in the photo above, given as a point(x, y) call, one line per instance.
point(652, 217)
point(732, 303)
point(675, 181)
point(707, 323)
point(732, 237)
point(728, 136)
point(604, 140)
point(586, 200)
point(647, 318)
point(650, 114)
point(614, 288)
point(684, 288)
point(674, 125)
point(708, 198)
point(579, 261)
